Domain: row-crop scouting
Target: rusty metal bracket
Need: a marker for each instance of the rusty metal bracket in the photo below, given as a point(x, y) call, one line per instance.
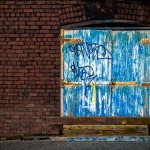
point(145, 41)
point(70, 83)
point(124, 83)
point(70, 40)
point(146, 84)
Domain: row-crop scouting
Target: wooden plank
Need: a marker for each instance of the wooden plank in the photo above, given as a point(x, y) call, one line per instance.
point(98, 121)
point(104, 130)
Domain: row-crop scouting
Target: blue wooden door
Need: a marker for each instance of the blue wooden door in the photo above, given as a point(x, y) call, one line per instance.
point(131, 66)
point(105, 73)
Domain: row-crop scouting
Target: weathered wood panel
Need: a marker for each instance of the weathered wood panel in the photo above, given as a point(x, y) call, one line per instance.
point(99, 120)
point(104, 130)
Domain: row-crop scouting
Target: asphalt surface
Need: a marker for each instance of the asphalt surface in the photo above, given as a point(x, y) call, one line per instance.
point(92, 145)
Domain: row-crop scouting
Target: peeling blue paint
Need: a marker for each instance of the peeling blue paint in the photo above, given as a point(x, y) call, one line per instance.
point(106, 56)
point(103, 138)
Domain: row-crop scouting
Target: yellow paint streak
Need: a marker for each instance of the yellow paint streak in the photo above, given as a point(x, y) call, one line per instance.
point(94, 93)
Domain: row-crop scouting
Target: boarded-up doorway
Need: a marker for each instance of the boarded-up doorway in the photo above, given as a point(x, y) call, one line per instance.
point(105, 72)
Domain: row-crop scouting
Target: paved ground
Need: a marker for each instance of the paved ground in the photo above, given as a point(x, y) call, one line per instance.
point(94, 145)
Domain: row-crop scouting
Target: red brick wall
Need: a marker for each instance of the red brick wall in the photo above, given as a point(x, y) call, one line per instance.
point(30, 56)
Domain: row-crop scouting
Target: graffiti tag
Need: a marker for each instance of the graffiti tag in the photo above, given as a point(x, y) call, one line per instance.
point(92, 51)
point(84, 72)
